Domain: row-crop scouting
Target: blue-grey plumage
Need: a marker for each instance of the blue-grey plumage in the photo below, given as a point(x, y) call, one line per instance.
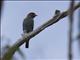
point(28, 25)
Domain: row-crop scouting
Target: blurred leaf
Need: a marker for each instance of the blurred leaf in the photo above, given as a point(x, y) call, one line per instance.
point(5, 47)
point(21, 53)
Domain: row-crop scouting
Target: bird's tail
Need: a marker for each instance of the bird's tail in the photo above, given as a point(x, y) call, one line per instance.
point(27, 44)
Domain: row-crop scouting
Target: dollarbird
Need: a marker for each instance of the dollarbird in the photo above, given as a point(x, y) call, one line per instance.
point(28, 25)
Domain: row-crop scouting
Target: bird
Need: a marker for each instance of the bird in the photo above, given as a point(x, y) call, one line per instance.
point(28, 25)
point(57, 12)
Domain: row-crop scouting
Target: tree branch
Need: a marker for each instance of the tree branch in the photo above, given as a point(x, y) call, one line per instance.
point(8, 55)
point(71, 20)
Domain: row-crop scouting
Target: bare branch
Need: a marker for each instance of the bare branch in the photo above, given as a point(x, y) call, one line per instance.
point(8, 55)
point(70, 56)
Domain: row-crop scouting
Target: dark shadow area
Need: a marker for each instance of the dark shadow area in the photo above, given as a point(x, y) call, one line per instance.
point(1, 2)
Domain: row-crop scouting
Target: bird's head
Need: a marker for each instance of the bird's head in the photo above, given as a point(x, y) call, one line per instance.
point(32, 14)
point(57, 12)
